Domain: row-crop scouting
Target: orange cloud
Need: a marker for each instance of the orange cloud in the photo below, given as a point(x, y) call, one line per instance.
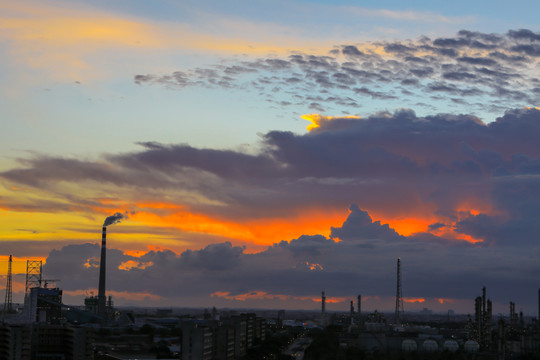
point(408, 226)
point(135, 253)
point(414, 300)
point(469, 238)
point(131, 264)
point(314, 267)
point(442, 301)
point(171, 216)
point(306, 221)
point(92, 262)
point(405, 220)
point(187, 221)
point(448, 232)
point(474, 206)
point(266, 231)
point(424, 215)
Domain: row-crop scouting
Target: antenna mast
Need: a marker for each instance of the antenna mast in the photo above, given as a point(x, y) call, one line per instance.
point(398, 316)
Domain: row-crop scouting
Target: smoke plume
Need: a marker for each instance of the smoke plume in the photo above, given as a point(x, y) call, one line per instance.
point(114, 219)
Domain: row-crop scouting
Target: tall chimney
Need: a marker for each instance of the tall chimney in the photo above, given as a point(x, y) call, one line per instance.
point(102, 298)
point(359, 305)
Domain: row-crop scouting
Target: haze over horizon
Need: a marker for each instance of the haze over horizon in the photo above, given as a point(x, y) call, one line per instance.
point(264, 151)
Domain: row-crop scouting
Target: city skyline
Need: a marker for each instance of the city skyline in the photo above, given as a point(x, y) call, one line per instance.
point(261, 152)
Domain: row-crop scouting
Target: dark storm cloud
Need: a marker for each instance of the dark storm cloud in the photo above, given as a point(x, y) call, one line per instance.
point(518, 196)
point(213, 257)
point(494, 64)
point(359, 147)
point(224, 163)
point(360, 226)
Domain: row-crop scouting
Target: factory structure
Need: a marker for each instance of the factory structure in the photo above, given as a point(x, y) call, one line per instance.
point(506, 337)
point(480, 336)
point(46, 327)
point(40, 329)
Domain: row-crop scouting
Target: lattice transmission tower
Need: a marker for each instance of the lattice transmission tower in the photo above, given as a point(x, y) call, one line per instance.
point(8, 302)
point(398, 316)
point(33, 275)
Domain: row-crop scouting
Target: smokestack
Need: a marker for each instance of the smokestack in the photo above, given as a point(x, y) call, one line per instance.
point(323, 303)
point(538, 304)
point(359, 305)
point(102, 299)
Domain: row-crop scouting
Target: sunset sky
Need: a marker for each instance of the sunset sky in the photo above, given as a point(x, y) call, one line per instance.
point(264, 151)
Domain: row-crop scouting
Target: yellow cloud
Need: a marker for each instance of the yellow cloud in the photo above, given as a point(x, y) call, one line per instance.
point(61, 41)
point(18, 265)
point(317, 120)
point(64, 41)
point(80, 31)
